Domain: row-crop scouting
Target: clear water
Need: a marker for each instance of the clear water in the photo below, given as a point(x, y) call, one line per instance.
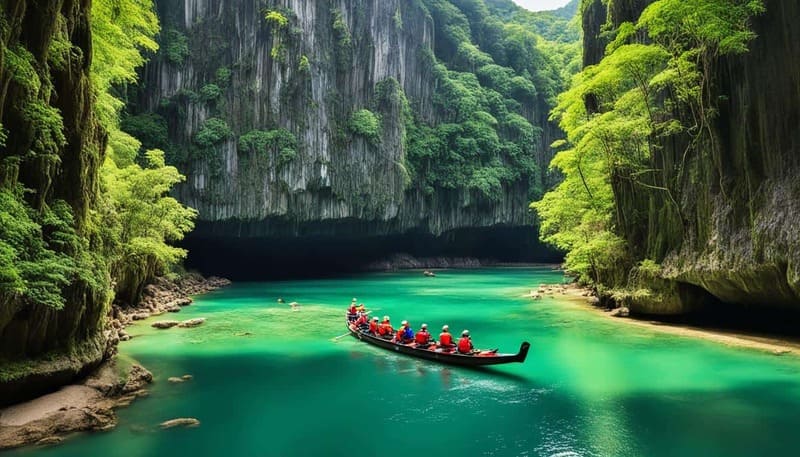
point(270, 382)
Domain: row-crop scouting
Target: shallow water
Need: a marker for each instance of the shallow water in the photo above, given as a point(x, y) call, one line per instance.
point(270, 382)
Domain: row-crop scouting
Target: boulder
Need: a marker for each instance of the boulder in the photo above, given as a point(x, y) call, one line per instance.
point(140, 316)
point(164, 324)
point(186, 377)
point(181, 422)
point(138, 378)
point(175, 380)
point(192, 322)
point(620, 312)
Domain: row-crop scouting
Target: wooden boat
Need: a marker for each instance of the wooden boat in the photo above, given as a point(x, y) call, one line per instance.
point(452, 357)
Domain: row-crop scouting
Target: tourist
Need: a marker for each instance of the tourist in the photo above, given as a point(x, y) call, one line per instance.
point(445, 338)
point(362, 321)
point(465, 343)
point(361, 308)
point(351, 312)
point(423, 338)
point(373, 326)
point(401, 332)
point(408, 334)
point(385, 330)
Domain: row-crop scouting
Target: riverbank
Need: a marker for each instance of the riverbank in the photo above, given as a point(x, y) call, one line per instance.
point(89, 404)
point(742, 339)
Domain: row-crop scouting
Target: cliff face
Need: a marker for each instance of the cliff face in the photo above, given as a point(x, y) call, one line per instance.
point(53, 149)
point(740, 197)
point(309, 77)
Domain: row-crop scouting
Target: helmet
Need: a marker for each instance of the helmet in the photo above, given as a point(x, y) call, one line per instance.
point(354, 299)
point(386, 318)
point(445, 327)
point(374, 318)
point(404, 323)
point(465, 333)
point(424, 325)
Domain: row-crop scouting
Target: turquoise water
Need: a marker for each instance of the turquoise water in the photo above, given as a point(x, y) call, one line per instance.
point(270, 382)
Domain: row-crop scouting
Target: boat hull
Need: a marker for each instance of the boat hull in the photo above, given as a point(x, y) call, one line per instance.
point(452, 358)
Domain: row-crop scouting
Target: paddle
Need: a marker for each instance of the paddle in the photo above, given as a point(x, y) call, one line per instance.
point(336, 338)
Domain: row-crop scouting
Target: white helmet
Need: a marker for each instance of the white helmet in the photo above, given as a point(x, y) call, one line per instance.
point(465, 333)
point(445, 328)
point(424, 325)
point(386, 318)
point(404, 323)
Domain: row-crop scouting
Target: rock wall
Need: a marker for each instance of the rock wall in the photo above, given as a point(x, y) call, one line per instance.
point(65, 170)
point(303, 79)
point(740, 197)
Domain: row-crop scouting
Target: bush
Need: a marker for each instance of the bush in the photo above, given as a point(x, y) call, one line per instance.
point(213, 132)
point(149, 128)
point(367, 124)
point(175, 46)
point(280, 141)
point(210, 92)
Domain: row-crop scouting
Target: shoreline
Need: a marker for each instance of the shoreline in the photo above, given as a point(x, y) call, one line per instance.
point(772, 344)
point(89, 404)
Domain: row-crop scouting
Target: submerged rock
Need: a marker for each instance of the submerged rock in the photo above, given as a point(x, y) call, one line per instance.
point(180, 422)
point(164, 324)
point(187, 377)
point(175, 380)
point(192, 322)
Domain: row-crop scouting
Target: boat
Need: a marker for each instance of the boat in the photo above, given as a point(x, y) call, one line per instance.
point(452, 357)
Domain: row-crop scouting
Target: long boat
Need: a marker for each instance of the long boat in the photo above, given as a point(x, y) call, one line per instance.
point(452, 357)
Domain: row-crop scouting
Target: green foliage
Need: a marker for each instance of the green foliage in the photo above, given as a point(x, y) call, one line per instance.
point(343, 41)
point(304, 66)
point(210, 92)
point(121, 29)
point(276, 19)
point(367, 124)
point(213, 132)
point(641, 95)
point(175, 46)
point(223, 76)
point(146, 219)
point(150, 129)
point(280, 142)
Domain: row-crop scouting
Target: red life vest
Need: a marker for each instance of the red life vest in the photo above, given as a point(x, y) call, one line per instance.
point(422, 337)
point(352, 309)
point(465, 345)
point(373, 327)
point(445, 339)
point(385, 329)
point(361, 320)
point(399, 335)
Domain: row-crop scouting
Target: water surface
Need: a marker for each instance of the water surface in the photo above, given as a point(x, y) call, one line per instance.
point(270, 382)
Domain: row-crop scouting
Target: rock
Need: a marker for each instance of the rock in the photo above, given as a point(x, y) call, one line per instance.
point(180, 422)
point(192, 322)
point(187, 377)
point(175, 380)
point(594, 301)
point(185, 301)
point(50, 440)
point(620, 312)
point(174, 309)
point(138, 378)
point(124, 337)
point(164, 324)
point(140, 316)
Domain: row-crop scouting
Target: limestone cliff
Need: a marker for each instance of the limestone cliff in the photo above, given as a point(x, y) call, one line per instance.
point(309, 76)
point(53, 149)
point(736, 240)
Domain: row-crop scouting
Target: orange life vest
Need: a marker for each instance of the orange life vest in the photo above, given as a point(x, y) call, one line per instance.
point(361, 320)
point(399, 335)
point(373, 327)
point(352, 309)
point(422, 337)
point(446, 339)
point(385, 329)
point(465, 345)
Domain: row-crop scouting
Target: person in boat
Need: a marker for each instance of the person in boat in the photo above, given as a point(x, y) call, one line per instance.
point(407, 336)
point(373, 326)
point(423, 338)
point(362, 321)
point(352, 312)
point(446, 338)
point(361, 308)
point(385, 330)
point(465, 343)
point(398, 337)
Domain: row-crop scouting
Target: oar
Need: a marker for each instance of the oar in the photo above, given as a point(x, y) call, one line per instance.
point(336, 338)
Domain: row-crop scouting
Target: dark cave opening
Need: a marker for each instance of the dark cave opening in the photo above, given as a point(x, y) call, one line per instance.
point(319, 254)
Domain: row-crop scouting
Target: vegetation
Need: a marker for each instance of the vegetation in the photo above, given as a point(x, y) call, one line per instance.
point(213, 132)
point(367, 124)
point(619, 113)
point(175, 46)
point(280, 142)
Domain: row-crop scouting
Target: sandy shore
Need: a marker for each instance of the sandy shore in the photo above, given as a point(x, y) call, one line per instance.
point(742, 339)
